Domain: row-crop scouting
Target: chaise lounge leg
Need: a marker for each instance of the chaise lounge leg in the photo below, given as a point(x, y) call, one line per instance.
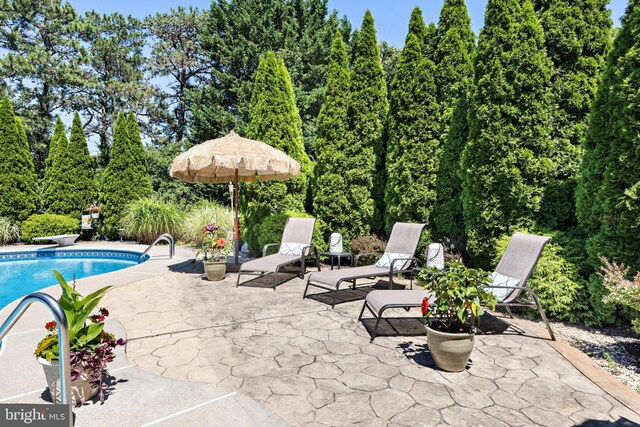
point(375, 328)
point(238, 281)
point(335, 296)
point(306, 288)
point(509, 311)
point(362, 311)
point(541, 311)
point(275, 280)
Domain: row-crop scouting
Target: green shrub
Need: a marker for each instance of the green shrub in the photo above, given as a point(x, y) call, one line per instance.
point(148, 217)
point(9, 232)
point(365, 244)
point(556, 279)
point(271, 229)
point(48, 225)
point(201, 214)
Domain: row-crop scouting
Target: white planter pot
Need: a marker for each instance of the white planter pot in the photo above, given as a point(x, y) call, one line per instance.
point(95, 215)
point(81, 389)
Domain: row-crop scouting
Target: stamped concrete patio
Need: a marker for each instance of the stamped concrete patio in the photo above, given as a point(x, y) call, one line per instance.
point(312, 365)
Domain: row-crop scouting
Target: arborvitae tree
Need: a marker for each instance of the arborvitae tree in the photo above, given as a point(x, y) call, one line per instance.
point(138, 155)
point(506, 162)
point(80, 172)
point(577, 38)
point(418, 28)
point(619, 194)
point(330, 201)
point(602, 130)
point(18, 186)
point(430, 42)
point(275, 120)
point(413, 152)
point(54, 183)
point(454, 80)
point(367, 114)
point(122, 181)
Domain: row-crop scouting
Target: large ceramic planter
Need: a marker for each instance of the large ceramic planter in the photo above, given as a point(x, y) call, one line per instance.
point(215, 270)
point(450, 351)
point(81, 389)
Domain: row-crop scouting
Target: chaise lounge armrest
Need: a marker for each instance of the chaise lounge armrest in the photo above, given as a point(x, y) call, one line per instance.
point(393, 263)
point(267, 246)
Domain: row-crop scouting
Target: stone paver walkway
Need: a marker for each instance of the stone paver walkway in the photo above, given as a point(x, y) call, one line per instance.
point(312, 365)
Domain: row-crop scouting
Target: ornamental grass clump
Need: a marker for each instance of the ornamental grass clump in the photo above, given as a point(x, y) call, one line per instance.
point(201, 214)
point(458, 296)
point(9, 232)
point(623, 291)
point(148, 217)
point(90, 345)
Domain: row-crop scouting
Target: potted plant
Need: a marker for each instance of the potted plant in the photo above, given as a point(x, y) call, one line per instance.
point(458, 295)
point(215, 248)
point(94, 210)
point(91, 347)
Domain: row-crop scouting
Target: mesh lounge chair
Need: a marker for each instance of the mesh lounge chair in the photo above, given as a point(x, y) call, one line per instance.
point(295, 246)
point(398, 258)
point(518, 262)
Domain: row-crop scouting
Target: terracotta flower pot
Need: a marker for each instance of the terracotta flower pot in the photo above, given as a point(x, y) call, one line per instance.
point(215, 270)
point(81, 388)
point(450, 351)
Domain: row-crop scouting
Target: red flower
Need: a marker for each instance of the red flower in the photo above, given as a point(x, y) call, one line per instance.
point(104, 311)
point(425, 306)
point(221, 242)
point(101, 318)
point(51, 326)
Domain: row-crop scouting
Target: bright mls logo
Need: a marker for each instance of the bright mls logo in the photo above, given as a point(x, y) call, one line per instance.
point(34, 415)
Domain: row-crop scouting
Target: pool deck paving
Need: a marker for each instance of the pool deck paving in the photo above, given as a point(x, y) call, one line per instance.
point(291, 361)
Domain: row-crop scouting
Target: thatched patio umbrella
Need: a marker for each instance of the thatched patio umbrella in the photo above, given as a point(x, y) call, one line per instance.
point(234, 159)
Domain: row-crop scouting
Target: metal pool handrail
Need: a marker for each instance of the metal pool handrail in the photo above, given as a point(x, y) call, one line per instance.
point(63, 340)
point(167, 238)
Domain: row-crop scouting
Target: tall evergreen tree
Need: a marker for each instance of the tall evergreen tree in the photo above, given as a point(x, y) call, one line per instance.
point(18, 186)
point(330, 201)
point(418, 28)
point(80, 170)
point(506, 161)
point(577, 39)
point(619, 193)
point(367, 115)
point(430, 42)
point(276, 121)
point(123, 180)
point(602, 129)
point(413, 152)
point(53, 184)
point(454, 80)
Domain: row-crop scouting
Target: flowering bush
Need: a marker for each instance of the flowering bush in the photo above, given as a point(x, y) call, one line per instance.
point(94, 208)
point(215, 244)
point(458, 294)
point(622, 291)
point(91, 346)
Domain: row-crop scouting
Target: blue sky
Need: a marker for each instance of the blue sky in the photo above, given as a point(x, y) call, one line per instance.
point(391, 16)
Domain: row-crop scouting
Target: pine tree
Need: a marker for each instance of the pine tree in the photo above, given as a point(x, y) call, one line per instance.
point(275, 120)
point(577, 39)
point(123, 180)
point(80, 171)
point(619, 193)
point(413, 152)
point(602, 130)
point(330, 202)
point(53, 185)
point(367, 115)
point(18, 186)
point(506, 161)
point(454, 80)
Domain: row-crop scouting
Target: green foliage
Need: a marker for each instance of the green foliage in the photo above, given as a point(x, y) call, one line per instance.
point(418, 28)
point(454, 80)
point(577, 39)
point(78, 169)
point(506, 163)
point(413, 151)
point(430, 42)
point(125, 179)
point(148, 217)
point(272, 227)
point(330, 195)
point(48, 225)
point(18, 186)
point(274, 120)
point(201, 214)
point(53, 185)
point(86, 332)
point(365, 149)
point(367, 244)
point(9, 231)
point(601, 313)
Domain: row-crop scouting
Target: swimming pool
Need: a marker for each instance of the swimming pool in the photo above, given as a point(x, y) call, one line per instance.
point(28, 271)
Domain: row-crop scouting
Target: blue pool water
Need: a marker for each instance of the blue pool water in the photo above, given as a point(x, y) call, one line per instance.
point(24, 272)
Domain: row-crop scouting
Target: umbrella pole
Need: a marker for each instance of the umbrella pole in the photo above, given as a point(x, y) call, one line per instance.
point(236, 223)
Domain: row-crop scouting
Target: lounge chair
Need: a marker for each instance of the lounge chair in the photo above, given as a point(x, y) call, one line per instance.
point(294, 247)
point(515, 266)
point(61, 240)
point(398, 258)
